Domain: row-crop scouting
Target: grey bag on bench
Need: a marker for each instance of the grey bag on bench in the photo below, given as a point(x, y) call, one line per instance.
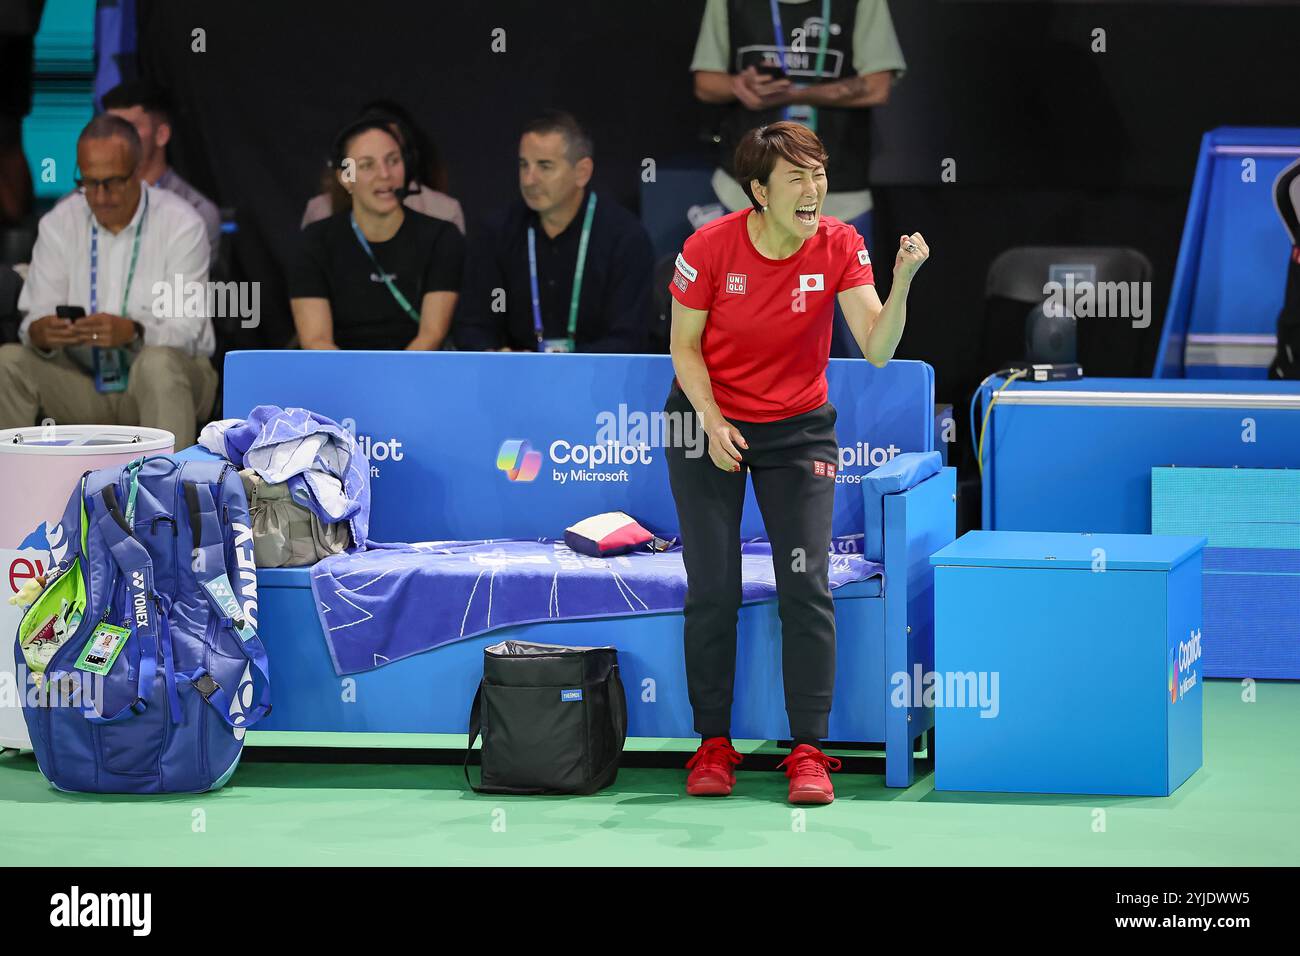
point(285, 533)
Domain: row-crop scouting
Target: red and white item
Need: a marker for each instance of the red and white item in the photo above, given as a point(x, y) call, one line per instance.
point(607, 535)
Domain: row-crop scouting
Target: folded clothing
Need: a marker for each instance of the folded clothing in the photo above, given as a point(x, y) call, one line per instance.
point(315, 456)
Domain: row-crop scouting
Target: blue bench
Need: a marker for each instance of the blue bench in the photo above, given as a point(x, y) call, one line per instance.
point(433, 425)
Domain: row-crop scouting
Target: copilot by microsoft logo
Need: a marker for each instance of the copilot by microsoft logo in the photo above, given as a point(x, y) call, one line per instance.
point(1181, 658)
point(519, 460)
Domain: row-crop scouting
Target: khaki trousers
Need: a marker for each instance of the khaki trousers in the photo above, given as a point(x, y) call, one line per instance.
point(166, 389)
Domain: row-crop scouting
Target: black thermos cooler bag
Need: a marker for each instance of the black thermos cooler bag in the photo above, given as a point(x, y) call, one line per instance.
point(553, 719)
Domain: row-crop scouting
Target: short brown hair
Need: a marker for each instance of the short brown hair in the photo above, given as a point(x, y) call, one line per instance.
point(577, 141)
point(761, 147)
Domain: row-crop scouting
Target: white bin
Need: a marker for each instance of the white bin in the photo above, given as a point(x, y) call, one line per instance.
point(39, 469)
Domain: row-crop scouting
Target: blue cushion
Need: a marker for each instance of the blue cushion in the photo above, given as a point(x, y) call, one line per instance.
point(900, 473)
point(284, 577)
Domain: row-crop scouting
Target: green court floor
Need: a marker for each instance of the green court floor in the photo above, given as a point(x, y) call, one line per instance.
point(1240, 808)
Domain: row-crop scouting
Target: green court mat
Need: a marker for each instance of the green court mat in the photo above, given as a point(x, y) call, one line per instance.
point(1239, 809)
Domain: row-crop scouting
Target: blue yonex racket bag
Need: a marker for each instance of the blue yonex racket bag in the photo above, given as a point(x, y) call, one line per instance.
point(140, 659)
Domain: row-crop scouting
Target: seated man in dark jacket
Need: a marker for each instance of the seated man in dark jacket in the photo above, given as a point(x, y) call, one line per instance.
point(565, 271)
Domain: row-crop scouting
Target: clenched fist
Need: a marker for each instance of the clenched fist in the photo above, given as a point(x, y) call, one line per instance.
point(912, 253)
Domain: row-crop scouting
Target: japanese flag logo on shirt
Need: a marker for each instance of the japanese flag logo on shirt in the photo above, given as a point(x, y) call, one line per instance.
point(812, 283)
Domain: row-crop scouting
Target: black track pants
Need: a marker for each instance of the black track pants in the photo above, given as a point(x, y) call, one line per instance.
point(796, 502)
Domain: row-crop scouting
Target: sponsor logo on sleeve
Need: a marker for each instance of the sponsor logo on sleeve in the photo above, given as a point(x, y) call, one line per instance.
point(684, 268)
point(863, 258)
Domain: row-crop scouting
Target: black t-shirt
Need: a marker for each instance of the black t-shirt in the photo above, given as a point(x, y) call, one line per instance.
point(424, 255)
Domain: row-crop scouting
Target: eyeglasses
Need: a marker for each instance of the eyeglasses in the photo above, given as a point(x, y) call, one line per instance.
point(112, 184)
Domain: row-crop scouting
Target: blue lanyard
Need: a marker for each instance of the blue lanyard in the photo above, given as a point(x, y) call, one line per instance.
point(822, 44)
point(578, 271)
point(383, 273)
point(779, 31)
point(130, 270)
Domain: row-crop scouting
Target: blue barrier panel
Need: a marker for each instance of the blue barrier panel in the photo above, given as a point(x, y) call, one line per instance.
point(582, 434)
point(1077, 456)
point(1251, 517)
point(1231, 275)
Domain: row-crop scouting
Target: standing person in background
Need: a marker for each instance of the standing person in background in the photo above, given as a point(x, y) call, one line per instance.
point(147, 108)
point(425, 190)
point(574, 267)
point(822, 63)
point(378, 276)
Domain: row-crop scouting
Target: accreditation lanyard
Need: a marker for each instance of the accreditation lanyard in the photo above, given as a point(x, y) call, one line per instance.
point(388, 280)
point(130, 270)
point(577, 277)
point(810, 118)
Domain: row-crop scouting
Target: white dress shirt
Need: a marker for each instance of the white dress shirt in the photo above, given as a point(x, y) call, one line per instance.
point(173, 243)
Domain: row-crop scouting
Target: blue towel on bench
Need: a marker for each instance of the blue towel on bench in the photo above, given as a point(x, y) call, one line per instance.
point(393, 601)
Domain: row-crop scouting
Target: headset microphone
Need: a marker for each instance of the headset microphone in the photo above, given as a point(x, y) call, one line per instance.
point(401, 192)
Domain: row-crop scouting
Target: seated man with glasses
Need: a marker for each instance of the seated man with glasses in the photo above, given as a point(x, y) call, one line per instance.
point(104, 341)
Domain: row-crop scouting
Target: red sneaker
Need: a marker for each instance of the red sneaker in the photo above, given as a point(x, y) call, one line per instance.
point(809, 782)
point(711, 773)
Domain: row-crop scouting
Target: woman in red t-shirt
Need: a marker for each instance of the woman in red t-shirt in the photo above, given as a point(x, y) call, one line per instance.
point(755, 293)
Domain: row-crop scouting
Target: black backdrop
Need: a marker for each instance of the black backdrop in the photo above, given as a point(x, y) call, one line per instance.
point(1053, 143)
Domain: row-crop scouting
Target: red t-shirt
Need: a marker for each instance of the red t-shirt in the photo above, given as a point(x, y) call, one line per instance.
point(767, 338)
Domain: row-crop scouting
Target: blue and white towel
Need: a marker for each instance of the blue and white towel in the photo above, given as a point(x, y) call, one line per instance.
point(317, 456)
point(394, 601)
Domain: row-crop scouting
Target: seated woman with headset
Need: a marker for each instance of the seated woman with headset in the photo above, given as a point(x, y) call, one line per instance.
point(424, 172)
point(378, 275)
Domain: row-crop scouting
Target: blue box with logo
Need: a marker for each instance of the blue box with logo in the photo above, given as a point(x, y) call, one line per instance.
point(1066, 663)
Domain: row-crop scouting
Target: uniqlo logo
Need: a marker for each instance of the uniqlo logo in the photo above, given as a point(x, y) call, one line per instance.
point(823, 469)
point(736, 282)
